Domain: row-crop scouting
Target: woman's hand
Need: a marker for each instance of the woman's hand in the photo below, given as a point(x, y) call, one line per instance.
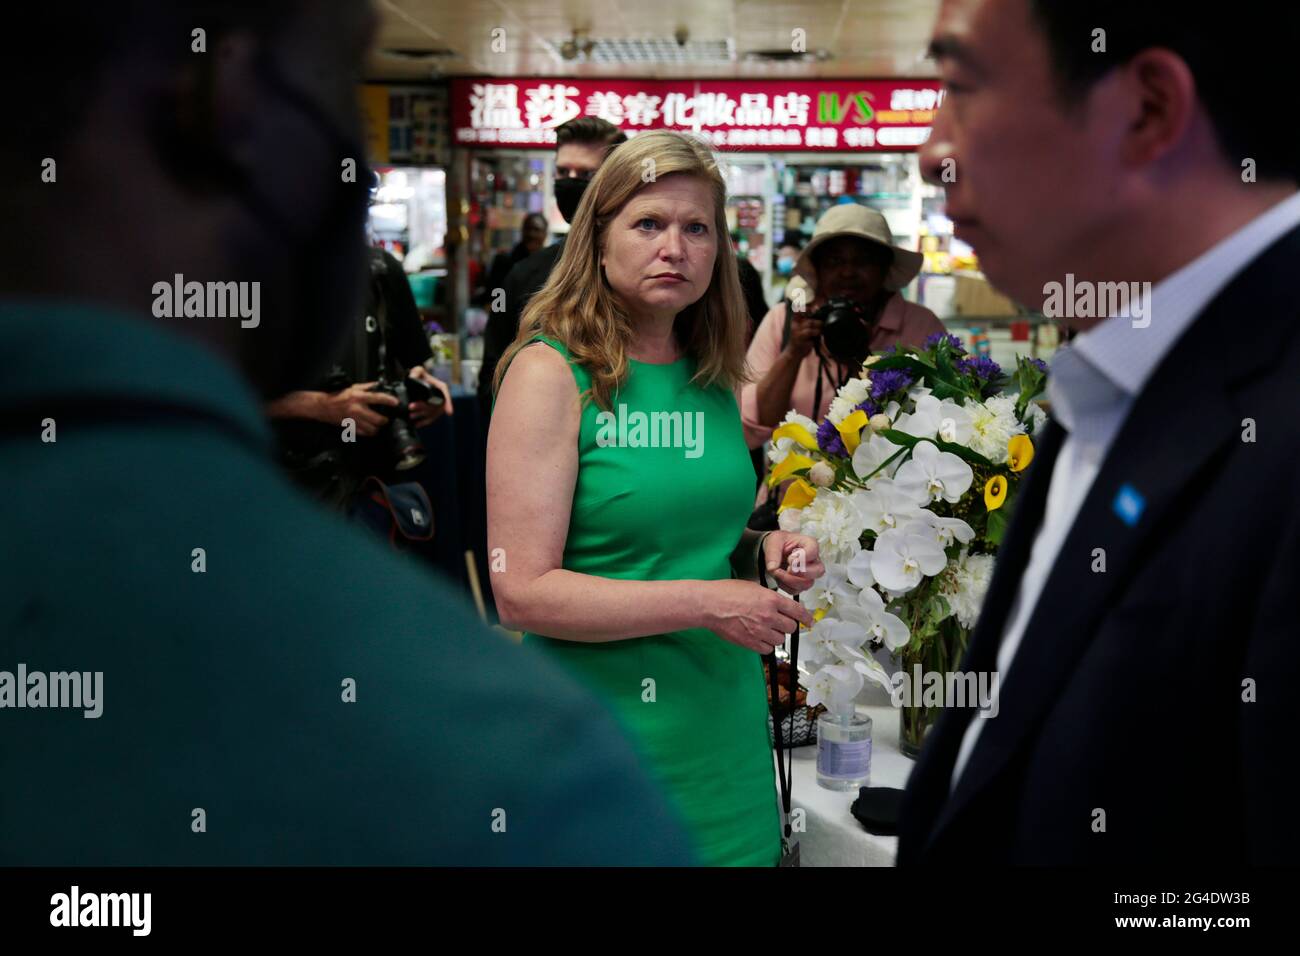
point(791, 560)
point(750, 615)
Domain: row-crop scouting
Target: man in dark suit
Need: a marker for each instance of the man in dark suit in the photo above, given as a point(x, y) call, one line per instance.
point(1142, 615)
point(581, 145)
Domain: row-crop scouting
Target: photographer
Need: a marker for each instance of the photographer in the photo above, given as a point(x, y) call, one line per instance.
point(365, 384)
point(848, 275)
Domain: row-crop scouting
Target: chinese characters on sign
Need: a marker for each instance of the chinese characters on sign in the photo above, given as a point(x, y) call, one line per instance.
point(758, 115)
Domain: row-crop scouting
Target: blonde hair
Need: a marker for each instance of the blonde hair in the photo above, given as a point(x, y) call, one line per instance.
point(578, 307)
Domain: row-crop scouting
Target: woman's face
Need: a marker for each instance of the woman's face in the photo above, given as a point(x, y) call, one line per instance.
point(659, 250)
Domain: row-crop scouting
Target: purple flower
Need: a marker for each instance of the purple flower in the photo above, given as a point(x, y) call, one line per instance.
point(889, 381)
point(1039, 364)
point(932, 341)
point(869, 407)
point(981, 367)
point(829, 440)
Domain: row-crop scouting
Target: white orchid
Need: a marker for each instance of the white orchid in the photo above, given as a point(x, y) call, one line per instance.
point(944, 530)
point(900, 560)
point(873, 453)
point(834, 686)
point(870, 668)
point(946, 420)
point(832, 588)
point(858, 570)
point(884, 506)
point(822, 643)
point(931, 474)
point(917, 392)
point(869, 613)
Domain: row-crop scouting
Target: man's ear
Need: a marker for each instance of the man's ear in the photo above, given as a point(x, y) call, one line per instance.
point(203, 123)
point(236, 96)
point(1160, 94)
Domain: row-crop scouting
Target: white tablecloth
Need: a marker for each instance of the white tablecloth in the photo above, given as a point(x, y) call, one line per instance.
point(833, 837)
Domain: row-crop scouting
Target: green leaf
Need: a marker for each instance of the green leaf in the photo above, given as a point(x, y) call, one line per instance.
point(961, 451)
point(997, 526)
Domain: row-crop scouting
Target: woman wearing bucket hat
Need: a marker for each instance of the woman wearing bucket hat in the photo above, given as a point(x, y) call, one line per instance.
point(851, 256)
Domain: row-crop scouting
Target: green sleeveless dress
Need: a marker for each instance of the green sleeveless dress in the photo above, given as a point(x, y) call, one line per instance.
point(692, 703)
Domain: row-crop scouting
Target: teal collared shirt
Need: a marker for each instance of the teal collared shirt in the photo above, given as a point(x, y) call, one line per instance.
point(231, 622)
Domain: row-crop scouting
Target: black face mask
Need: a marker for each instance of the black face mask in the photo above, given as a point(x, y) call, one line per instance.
point(568, 194)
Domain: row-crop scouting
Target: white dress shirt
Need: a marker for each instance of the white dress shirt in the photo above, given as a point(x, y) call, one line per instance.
point(1093, 384)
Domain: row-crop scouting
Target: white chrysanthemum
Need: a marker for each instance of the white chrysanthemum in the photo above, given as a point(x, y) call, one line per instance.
point(791, 519)
point(1037, 417)
point(852, 394)
point(970, 580)
point(992, 424)
point(778, 449)
point(837, 524)
point(855, 391)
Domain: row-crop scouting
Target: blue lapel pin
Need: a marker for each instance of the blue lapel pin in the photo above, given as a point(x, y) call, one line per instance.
point(1129, 505)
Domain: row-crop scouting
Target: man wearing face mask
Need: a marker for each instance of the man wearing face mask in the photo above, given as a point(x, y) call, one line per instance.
point(581, 145)
point(258, 682)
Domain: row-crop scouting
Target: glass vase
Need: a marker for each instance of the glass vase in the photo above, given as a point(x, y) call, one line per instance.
point(939, 655)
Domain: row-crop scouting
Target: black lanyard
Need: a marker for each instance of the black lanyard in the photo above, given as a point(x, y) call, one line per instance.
point(785, 779)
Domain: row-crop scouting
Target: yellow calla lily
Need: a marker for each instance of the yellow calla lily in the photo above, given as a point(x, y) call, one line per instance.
point(819, 614)
point(798, 495)
point(851, 430)
point(788, 466)
point(995, 492)
point(1020, 452)
point(798, 433)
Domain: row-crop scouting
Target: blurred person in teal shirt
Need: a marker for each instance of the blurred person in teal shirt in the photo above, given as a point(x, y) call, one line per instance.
point(271, 686)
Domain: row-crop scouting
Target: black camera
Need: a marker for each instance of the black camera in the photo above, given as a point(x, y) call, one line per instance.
point(399, 436)
point(846, 330)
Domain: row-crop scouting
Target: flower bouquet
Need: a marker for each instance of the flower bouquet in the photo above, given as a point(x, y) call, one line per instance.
point(907, 485)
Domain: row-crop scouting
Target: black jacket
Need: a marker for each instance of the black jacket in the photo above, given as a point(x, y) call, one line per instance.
point(1126, 693)
point(522, 283)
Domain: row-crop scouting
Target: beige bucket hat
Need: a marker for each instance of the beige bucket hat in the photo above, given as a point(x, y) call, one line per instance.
point(861, 222)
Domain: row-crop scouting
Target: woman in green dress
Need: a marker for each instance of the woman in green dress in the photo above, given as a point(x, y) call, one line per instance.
point(619, 485)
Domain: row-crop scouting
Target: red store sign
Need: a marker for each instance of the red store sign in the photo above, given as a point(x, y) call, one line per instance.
point(733, 115)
